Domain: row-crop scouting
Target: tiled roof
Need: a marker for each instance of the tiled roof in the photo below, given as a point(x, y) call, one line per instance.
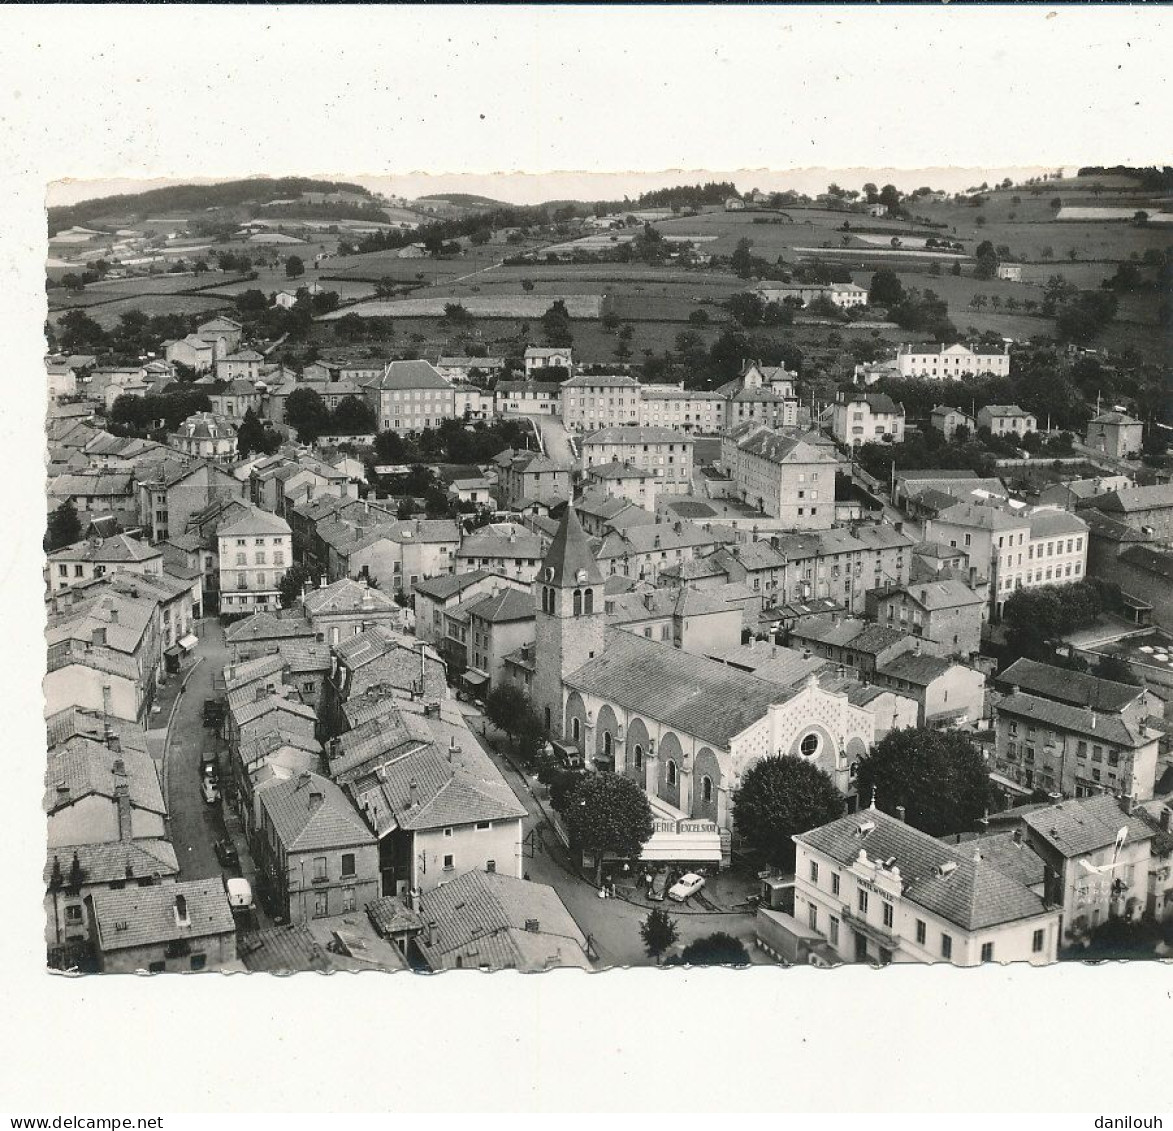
point(247, 712)
point(345, 596)
point(917, 670)
point(1158, 562)
point(617, 470)
point(504, 605)
point(255, 521)
point(655, 538)
point(1010, 855)
point(409, 375)
point(1107, 728)
point(120, 548)
point(448, 585)
point(947, 594)
point(1000, 410)
point(1132, 499)
point(848, 632)
point(1065, 686)
point(686, 692)
point(267, 626)
point(1044, 524)
point(481, 922)
point(88, 723)
point(1086, 825)
point(601, 381)
point(1113, 418)
point(137, 916)
point(310, 813)
point(982, 518)
point(974, 894)
point(115, 860)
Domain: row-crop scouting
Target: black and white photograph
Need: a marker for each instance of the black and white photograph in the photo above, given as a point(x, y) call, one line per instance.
point(749, 563)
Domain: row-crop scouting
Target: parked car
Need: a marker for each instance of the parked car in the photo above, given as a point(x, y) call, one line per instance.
point(214, 710)
point(209, 765)
point(659, 886)
point(688, 885)
point(211, 791)
point(227, 855)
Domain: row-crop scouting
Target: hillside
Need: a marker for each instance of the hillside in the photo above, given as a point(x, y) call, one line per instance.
point(192, 198)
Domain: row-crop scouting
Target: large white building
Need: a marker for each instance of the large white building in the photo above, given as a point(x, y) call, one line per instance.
point(950, 363)
point(880, 891)
point(410, 396)
point(867, 418)
point(592, 401)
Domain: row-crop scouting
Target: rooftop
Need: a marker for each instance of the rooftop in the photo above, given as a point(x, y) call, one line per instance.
point(310, 813)
point(145, 916)
point(1065, 686)
point(1078, 827)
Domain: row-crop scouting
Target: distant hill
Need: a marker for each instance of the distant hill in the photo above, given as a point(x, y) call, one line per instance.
point(466, 200)
point(227, 194)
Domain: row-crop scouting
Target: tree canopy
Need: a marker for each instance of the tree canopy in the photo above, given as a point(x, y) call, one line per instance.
point(608, 813)
point(64, 527)
point(937, 775)
point(779, 797)
point(717, 949)
point(659, 932)
point(306, 412)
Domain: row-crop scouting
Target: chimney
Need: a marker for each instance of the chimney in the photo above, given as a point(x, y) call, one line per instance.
point(1018, 836)
point(125, 814)
point(533, 926)
point(1166, 818)
point(901, 813)
point(113, 615)
point(430, 932)
point(99, 637)
point(261, 693)
point(412, 792)
point(899, 527)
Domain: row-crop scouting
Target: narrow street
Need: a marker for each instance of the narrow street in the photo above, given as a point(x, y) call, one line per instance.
point(556, 439)
point(195, 825)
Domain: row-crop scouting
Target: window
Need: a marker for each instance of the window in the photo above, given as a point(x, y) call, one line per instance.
point(1036, 942)
point(671, 772)
point(639, 756)
point(575, 728)
point(813, 917)
point(888, 915)
point(814, 871)
point(833, 932)
point(156, 967)
point(449, 862)
point(447, 832)
point(319, 869)
point(987, 952)
point(490, 865)
point(863, 902)
point(321, 904)
point(607, 745)
point(484, 826)
point(199, 961)
point(706, 790)
point(809, 745)
point(73, 913)
point(946, 946)
point(348, 864)
point(921, 931)
point(349, 900)
point(834, 883)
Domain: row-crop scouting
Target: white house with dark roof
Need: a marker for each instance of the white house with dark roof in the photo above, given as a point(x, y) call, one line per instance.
point(948, 694)
point(1006, 420)
point(950, 363)
point(83, 561)
point(786, 475)
point(867, 418)
point(663, 453)
point(254, 552)
point(410, 396)
point(205, 435)
point(880, 891)
point(592, 401)
point(537, 358)
point(1115, 434)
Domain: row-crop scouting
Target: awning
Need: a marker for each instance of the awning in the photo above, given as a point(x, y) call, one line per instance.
point(699, 847)
point(475, 678)
point(188, 642)
point(1008, 784)
point(173, 650)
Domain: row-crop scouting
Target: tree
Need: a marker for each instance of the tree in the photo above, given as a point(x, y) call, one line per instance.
point(352, 417)
point(747, 308)
point(294, 580)
point(742, 260)
point(886, 288)
point(659, 933)
point(608, 813)
point(987, 261)
point(251, 435)
point(779, 797)
point(294, 267)
point(556, 323)
point(698, 317)
point(456, 314)
point(64, 526)
point(718, 949)
point(938, 776)
point(890, 197)
point(527, 285)
point(306, 412)
point(509, 709)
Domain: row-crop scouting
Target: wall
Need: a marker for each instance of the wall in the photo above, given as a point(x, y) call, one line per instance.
point(76, 685)
point(219, 951)
point(471, 849)
point(302, 888)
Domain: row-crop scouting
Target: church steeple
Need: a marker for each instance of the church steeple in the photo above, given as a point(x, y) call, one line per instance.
point(569, 560)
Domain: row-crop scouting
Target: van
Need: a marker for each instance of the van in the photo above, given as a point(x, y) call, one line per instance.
point(240, 894)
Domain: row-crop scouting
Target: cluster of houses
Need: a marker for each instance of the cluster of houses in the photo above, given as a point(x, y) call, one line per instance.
point(669, 623)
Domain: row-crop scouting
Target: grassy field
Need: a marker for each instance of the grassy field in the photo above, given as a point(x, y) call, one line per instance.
point(481, 306)
point(107, 314)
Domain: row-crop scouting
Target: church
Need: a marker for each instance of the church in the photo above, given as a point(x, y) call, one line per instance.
point(683, 726)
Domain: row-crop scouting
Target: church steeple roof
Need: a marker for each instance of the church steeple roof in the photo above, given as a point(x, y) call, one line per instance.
point(569, 560)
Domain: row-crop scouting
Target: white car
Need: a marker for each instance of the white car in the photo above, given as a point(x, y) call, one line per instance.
point(688, 884)
point(210, 790)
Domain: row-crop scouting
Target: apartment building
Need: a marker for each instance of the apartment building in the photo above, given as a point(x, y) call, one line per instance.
point(254, 551)
point(410, 396)
point(1114, 434)
point(1006, 420)
point(686, 410)
point(664, 453)
point(530, 398)
point(594, 401)
point(785, 475)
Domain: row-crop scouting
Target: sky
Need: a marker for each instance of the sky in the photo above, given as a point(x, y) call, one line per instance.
point(523, 188)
